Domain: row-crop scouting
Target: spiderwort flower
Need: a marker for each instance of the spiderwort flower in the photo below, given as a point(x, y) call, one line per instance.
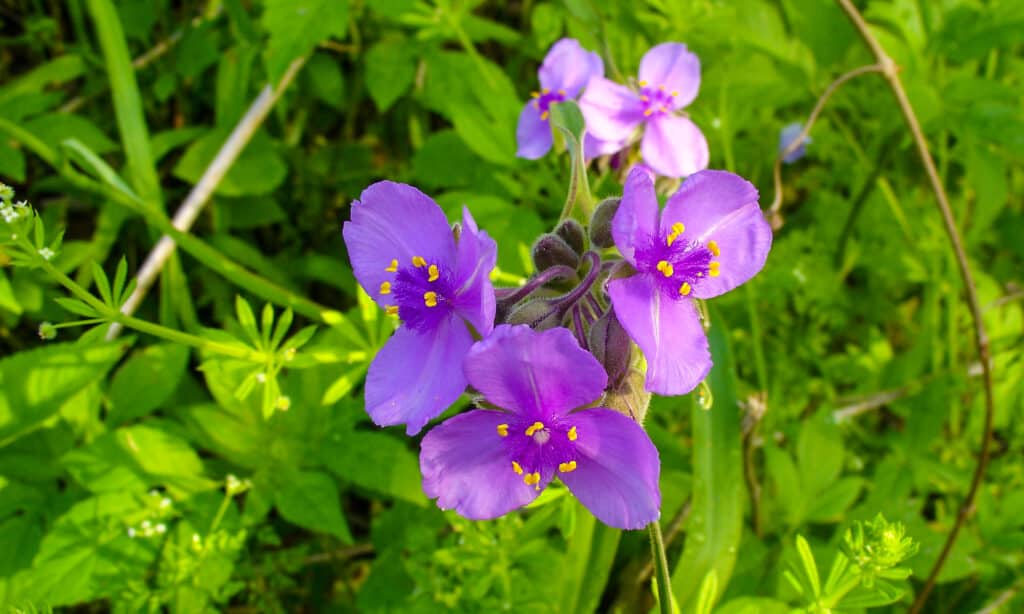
point(710, 238)
point(485, 463)
point(786, 136)
point(669, 79)
point(565, 71)
point(406, 257)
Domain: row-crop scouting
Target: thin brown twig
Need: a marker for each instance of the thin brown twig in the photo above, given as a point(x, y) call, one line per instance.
point(348, 552)
point(773, 211)
point(891, 74)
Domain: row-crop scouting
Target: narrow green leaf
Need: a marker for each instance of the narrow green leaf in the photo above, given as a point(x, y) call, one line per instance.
point(76, 306)
point(102, 284)
point(809, 566)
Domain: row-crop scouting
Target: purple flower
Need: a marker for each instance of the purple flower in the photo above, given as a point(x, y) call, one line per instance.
point(669, 79)
point(405, 256)
point(485, 463)
point(786, 136)
point(710, 238)
point(566, 70)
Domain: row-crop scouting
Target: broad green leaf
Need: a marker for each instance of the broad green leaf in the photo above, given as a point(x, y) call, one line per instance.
point(35, 383)
point(296, 26)
point(310, 499)
point(56, 128)
point(146, 381)
point(375, 461)
point(390, 68)
point(258, 170)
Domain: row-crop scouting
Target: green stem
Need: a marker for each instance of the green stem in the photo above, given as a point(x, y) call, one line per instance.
point(661, 566)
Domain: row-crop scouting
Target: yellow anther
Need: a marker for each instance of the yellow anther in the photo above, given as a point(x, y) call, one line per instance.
point(661, 87)
point(713, 247)
point(546, 91)
point(648, 112)
point(677, 229)
point(561, 92)
point(532, 478)
point(643, 84)
point(430, 299)
point(533, 428)
point(567, 467)
point(517, 468)
point(391, 310)
point(572, 434)
point(393, 266)
point(432, 273)
point(666, 268)
point(684, 289)
point(385, 287)
point(713, 268)
point(503, 430)
point(663, 108)
point(645, 98)
point(674, 94)
point(534, 94)
point(419, 262)
point(544, 116)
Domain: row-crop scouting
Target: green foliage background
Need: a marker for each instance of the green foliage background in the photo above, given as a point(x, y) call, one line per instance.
point(139, 475)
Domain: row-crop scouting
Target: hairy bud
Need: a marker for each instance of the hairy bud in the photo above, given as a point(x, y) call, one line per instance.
point(573, 234)
point(538, 314)
point(552, 250)
point(610, 344)
point(601, 222)
point(630, 398)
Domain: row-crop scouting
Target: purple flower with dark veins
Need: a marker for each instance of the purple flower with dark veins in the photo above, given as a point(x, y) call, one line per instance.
point(710, 238)
point(405, 255)
point(566, 69)
point(669, 79)
point(485, 463)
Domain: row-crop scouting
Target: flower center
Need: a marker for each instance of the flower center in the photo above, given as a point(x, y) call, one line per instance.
point(679, 264)
point(538, 449)
point(422, 292)
point(656, 100)
point(543, 100)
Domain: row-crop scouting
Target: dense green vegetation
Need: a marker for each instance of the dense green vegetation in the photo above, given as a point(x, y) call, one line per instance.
point(216, 455)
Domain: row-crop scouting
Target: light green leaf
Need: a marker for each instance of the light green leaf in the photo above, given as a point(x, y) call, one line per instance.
point(146, 381)
point(377, 462)
point(390, 68)
point(296, 26)
point(310, 499)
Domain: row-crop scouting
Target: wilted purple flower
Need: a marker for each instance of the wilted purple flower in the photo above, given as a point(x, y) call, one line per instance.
point(405, 256)
point(566, 70)
point(786, 136)
point(485, 463)
point(710, 238)
point(669, 79)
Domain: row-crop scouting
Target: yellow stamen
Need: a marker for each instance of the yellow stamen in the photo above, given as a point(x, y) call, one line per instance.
point(533, 428)
point(503, 430)
point(674, 94)
point(677, 229)
point(561, 92)
point(545, 91)
point(517, 468)
point(433, 273)
point(661, 87)
point(532, 478)
point(666, 268)
point(391, 310)
point(645, 98)
point(534, 94)
point(385, 287)
point(684, 289)
point(430, 299)
point(544, 116)
point(419, 262)
point(713, 247)
point(567, 467)
point(648, 112)
point(393, 266)
point(572, 434)
point(713, 268)
point(643, 84)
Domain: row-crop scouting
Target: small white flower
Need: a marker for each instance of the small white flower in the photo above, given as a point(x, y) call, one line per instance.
point(161, 528)
point(145, 524)
point(261, 378)
point(283, 403)
point(47, 253)
point(20, 204)
point(9, 214)
point(131, 532)
point(165, 503)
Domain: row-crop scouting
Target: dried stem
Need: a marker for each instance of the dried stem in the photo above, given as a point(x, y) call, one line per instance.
point(773, 210)
point(201, 193)
point(891, 74)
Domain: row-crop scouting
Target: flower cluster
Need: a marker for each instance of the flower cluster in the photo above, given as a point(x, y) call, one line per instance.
point(560, 389)
point(616, 115)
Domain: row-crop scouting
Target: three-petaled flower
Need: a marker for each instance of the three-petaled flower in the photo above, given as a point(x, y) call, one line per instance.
point(566, 70)
point(485, 463)
point(669, 79)
point(405, 255)
point(710, 238)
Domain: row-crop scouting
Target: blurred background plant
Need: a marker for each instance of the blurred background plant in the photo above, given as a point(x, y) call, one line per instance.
point(229, 464)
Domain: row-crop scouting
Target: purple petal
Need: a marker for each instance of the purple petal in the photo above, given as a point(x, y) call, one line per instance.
point(674, 146)
point(533, 134)
point(616, 475)
point(569, 67)
point(417, 375)
point(674, 67)
point(594, 147)
point(394, 221)
point(466, 468)
point(476, 254)
point(539, 374)
point(636, 221)
point(612, 111)
point(722, 207)
point(668, 331)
